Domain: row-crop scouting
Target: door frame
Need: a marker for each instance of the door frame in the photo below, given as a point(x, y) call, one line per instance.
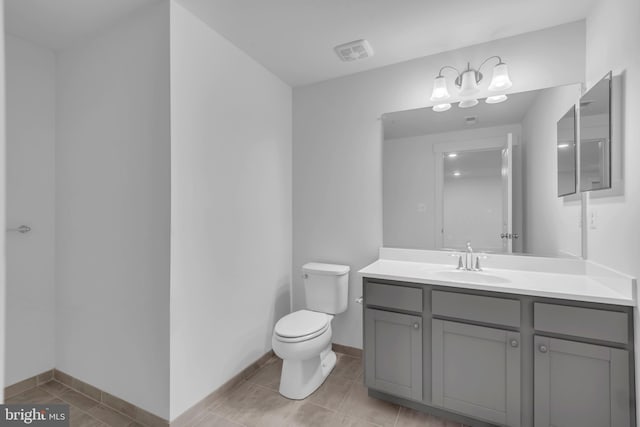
point(480, 144)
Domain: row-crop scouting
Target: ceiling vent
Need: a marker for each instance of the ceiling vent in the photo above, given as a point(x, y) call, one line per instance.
point(352, 51)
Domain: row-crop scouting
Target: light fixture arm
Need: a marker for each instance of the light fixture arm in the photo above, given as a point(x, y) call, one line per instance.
point(450, 67)
point(488, 59)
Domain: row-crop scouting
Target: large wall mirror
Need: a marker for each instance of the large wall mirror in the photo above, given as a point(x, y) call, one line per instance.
point(486, 174)
point(595, 137)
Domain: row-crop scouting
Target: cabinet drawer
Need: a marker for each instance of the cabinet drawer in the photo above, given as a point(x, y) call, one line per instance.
point(581, 322)
point(392, 296)
point(498, 311)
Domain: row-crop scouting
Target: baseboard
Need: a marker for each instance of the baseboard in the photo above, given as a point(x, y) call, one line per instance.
point(130, 410)
point(28, 384)
point(349, 351)
point(191, 414)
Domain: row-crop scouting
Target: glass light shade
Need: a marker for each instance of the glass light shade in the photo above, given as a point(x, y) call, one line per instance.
point(467, 103)
point(440, 92)
point(468, 84)
point(441, 107)
point(496, 99)
point(500, 79)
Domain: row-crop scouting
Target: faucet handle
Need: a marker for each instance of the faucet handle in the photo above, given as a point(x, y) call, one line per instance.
point(460, 264)
point(478, 268)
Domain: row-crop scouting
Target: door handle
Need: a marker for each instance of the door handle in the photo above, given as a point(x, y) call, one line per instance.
point(509, 236)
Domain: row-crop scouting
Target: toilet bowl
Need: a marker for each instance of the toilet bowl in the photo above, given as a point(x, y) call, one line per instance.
point(302, 340)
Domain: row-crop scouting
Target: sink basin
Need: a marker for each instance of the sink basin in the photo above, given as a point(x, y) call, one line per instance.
point(471, 277)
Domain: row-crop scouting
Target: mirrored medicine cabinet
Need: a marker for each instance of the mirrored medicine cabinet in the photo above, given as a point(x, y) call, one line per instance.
point(586, 165)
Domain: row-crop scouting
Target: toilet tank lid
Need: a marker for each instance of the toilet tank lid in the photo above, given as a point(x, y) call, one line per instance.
point(327, 269)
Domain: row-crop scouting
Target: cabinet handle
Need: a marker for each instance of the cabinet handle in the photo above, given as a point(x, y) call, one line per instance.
point(514, 343)
point(543, 348)
point(416, 325)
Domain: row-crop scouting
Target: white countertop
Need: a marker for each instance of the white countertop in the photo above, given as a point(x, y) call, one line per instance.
point(577, 287)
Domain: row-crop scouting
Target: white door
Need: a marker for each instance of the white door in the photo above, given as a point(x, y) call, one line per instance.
point(507, 196)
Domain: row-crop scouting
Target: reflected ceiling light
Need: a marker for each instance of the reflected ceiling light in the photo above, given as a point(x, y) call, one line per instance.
point(496, 99)
point(452, 155)
point(456, 173)
point(560, 146)
point(441, 107)
point(467, 83)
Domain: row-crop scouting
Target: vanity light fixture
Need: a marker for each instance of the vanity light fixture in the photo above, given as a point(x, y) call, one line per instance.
point(561, 146)
point(452, 155)
point(456, 173)
point(467, 82)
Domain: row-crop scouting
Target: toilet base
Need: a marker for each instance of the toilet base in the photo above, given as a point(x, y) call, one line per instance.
point(300, 378)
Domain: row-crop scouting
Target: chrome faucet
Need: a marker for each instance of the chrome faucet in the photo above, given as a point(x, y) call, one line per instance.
point(468, 264)
point(468, 258)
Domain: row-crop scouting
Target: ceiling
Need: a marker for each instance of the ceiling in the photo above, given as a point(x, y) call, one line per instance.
point(58, 24)
point(424, 121)
point(295, 38)
point(473, 164)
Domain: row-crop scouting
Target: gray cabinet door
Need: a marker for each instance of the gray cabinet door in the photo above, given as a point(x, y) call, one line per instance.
point(393, 353)
point(579, 384)
point(476, 371)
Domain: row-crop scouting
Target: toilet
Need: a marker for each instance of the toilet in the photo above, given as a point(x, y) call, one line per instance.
point(302, 339)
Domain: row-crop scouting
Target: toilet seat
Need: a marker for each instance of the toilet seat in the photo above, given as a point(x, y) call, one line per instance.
point(301, 325)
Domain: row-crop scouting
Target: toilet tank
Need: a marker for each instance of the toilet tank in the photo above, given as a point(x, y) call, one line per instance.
point(326, 287)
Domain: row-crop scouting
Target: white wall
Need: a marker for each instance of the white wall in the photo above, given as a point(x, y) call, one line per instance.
point(612, 44)
point(551, 224)
point(112, 210)
point(2, 202)
point(337, 149)
point(30, 201)
point(482, 224)
point(230, 209)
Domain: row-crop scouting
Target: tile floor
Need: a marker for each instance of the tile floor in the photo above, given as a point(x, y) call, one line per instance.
point(342, 401)
point(84, 411)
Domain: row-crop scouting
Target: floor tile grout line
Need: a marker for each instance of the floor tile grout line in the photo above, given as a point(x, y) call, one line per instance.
point(99, 402)
point(346, 395)
point(395, 422)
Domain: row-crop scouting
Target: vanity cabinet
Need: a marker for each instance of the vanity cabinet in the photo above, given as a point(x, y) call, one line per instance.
point(393, 356)
point(485, 358)
point(579, 384)
point(476, 371)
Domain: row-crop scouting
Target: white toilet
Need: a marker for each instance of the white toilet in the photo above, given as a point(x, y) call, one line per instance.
point(302, 339)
